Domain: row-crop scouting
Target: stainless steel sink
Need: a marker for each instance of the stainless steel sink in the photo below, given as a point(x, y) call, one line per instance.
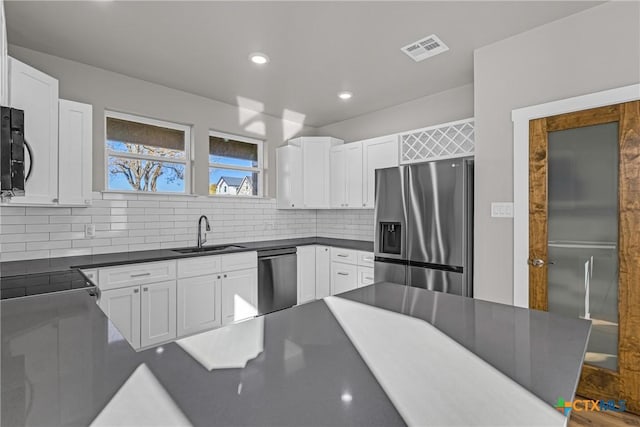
point(207, 249)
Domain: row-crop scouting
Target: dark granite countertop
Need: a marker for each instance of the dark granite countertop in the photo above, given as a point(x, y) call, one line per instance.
point(64, 363)
point(48, 265)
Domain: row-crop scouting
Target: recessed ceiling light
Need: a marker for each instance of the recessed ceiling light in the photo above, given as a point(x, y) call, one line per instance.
point(259, 58)
point(344, 95)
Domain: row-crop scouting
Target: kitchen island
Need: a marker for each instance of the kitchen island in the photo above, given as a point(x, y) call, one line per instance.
point(384, 354)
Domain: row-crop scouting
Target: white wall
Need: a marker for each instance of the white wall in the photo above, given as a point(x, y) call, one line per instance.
point(107, 90)
point(446, 106)
point(594, 50)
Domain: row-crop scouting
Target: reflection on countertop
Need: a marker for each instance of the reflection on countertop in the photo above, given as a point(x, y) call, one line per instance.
point(63, 364)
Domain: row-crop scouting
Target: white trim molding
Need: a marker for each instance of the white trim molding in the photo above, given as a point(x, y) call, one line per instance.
point(521, 118)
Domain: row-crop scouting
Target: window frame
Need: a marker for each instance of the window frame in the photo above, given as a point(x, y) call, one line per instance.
point(259, 169)
point(187, 161)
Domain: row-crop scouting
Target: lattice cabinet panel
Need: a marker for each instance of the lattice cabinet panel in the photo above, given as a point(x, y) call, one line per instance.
point(445, 141)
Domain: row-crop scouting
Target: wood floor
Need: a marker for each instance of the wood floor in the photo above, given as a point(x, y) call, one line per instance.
point(597, 419)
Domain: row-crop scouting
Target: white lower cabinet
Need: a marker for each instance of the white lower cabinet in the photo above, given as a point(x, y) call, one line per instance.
point(158, 313)
point(323, 271)
point(122, 307)
point(344, 277)
point(306, 266)
point(365, 276)
point(199, 303)
point(239, 295)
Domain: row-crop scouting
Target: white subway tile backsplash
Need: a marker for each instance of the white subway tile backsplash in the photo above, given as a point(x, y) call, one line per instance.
point(130, 222)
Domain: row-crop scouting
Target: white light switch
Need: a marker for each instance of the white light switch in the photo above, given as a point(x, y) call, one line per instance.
point(502, 209)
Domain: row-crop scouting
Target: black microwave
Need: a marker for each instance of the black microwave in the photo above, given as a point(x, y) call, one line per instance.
point(12, 146)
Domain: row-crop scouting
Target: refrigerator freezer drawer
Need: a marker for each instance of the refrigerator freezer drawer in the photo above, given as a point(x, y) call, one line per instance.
point(390, 272)
point(437, 280)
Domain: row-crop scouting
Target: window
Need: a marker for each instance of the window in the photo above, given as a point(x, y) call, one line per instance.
point(146, 155)
point(235, 165)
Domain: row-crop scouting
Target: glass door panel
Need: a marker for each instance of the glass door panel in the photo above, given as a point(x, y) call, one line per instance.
point(583, 233)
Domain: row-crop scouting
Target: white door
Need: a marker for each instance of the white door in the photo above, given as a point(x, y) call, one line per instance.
point(344, 277)
point(37, 94)
point(239, 295)
point(158, 313)
point(377, 153)
point(122, 307)
point(338, 176)
point(323, 272)
point(353, 175)
point(74, 162)
point(315, 170)
point(289, 177)
point(198, 303)
point(306, 256)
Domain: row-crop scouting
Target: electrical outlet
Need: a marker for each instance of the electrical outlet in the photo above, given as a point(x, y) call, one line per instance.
point(502, 210)
point(90, 230)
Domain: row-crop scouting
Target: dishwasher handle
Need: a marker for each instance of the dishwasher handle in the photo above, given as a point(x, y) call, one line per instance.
point(276, 252)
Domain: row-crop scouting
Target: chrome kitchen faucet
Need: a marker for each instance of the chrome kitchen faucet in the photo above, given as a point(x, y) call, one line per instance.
point(202, 240)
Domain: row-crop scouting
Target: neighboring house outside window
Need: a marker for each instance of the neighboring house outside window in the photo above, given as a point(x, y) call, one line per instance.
point(235, 165)
point(146, 155)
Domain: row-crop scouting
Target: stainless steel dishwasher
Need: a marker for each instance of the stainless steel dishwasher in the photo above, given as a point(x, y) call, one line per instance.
point(277, 279)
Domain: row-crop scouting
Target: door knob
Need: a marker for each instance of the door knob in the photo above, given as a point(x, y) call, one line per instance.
point(536, 262)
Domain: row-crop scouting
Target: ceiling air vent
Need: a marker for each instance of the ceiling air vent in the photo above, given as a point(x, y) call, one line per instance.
point(425, 48)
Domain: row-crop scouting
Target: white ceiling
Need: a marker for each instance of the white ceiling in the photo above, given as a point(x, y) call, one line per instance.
point(316, 48)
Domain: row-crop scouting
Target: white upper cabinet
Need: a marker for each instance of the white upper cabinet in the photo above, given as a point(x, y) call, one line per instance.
point(37, 94)
point(289, 169)
point(346, 176)
point(4, 65)
point(338, 176)
point(74, 162)
point(316, 169)
point(377, 153)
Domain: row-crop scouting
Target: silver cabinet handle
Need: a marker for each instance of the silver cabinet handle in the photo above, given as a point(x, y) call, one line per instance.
point(343, 274)
point(364, 204)
point(135, 291)
point(141, 274)
point(225, 276)
point(343, 255)
point(219, 277)
point(367, 258)
point(145, 289)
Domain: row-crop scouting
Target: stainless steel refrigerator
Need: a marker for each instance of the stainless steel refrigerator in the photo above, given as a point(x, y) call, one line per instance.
point(424, 225)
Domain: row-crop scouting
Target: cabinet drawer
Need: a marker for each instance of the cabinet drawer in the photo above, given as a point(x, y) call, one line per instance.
point(343, 277)
point(199, 266)
point(92, 275)
point(348, 256)
point(365, 276)
point(239, 261)
point(365, 259)
point(136, 274)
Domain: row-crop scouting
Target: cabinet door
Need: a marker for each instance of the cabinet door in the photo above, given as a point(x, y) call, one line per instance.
point(344, 277)
point(37, 94)
point(74, 162)
point(239, 295)
point(315, 171)
point(289, 177)
point(338, 176)
point(158, 313)
point(323, 272)
point(377, 153)
point(353, 175)
point(199, 303)
point(122, 307)
point(365, 276)
point(306, 273)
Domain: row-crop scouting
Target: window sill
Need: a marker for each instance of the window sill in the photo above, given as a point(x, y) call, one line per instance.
point(232, 197)
point(148, 193)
